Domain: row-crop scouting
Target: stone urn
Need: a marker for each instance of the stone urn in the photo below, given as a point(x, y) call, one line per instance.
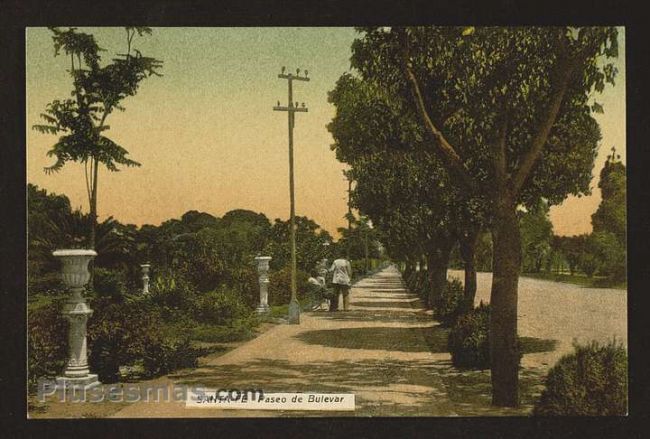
point(75, 276)
point(145, 278)
point(262, 271)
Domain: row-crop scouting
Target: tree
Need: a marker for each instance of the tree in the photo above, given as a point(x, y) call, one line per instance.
point(311, 244)
point(611, 214)
point(360, 240)
point(536, 234)
point(572, 248)
point(52, 224)
point(609, 221)
point(97, 91)
point(508, 112)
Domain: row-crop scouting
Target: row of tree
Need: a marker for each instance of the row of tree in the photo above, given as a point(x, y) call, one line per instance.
point(452, 130)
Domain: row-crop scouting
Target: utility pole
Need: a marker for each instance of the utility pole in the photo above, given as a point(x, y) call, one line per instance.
point(294, 306)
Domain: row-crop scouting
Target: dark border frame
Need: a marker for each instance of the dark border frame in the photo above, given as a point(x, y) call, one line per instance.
point(15, 15)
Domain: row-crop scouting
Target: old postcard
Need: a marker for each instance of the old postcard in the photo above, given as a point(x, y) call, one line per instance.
point(389, 221)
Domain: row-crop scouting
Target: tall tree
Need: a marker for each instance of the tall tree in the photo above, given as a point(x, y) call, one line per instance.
point(609, 221)
point(508, 112)
point(97, 91)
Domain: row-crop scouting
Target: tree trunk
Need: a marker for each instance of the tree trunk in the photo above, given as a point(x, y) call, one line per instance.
point(93, 224)
point(504, 352)
point(93, 208)
point(467, 246)
point(437, 264)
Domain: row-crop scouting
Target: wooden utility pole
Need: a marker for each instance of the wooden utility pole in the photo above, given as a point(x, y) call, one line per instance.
point(294, 306)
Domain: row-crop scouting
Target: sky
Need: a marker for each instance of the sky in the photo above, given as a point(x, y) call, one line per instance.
point(207, 136)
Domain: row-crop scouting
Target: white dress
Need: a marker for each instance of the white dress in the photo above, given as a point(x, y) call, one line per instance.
point(342, 272)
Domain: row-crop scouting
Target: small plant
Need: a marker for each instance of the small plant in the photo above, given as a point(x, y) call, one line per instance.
point(450, 303)
point(592, 381)
point(469, 342)
point(220, 307)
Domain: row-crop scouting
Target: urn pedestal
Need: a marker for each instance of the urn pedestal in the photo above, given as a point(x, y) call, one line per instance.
point(145, 278)
point(75, 276)
point(262, 271)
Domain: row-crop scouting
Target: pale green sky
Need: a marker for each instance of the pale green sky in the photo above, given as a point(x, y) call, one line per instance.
point(206, 134)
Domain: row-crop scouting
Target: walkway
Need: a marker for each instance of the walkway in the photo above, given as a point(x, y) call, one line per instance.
point(386, 350)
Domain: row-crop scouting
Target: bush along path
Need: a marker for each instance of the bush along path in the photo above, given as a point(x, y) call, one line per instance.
point(386, 349)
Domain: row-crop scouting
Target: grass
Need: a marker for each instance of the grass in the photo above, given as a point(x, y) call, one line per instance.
point(578, 279)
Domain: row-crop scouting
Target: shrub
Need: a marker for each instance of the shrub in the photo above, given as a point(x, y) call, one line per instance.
point(49, 282)
point(468, 341)
point(167, 353)
point(592, 381)
point(280, 285)
point(46, 342)
point(220, 307)
point(246, 284)
point(109, 283)
point(172, 292)
point(118, 334)
point(450, 303)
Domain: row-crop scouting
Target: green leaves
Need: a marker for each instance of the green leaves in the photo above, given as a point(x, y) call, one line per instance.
point(97, 91)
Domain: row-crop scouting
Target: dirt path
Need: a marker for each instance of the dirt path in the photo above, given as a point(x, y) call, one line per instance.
point(386, 350)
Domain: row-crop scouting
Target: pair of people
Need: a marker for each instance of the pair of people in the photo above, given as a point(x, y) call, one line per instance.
point(341, 280)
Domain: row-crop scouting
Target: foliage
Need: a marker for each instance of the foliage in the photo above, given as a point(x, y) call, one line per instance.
point(46, 342)
point(311, 244)
point(483, 255)
point(609, 239)
point(118, 334)
point(450, 303)
point(360, 241)
point(573, 249)
point(280, 286)
point(52, 225)
point(536, 234)
point(507, 111)
point(469, 339)
point(220, 307)
point(607, 254)
point(592, 381)
point(611, 215)
point(168, 353)
point(97, 91)
point(109, 283)
point(204, 285)
point(171, 291)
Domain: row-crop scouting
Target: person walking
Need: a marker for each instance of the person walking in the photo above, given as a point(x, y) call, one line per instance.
point(341, 280)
